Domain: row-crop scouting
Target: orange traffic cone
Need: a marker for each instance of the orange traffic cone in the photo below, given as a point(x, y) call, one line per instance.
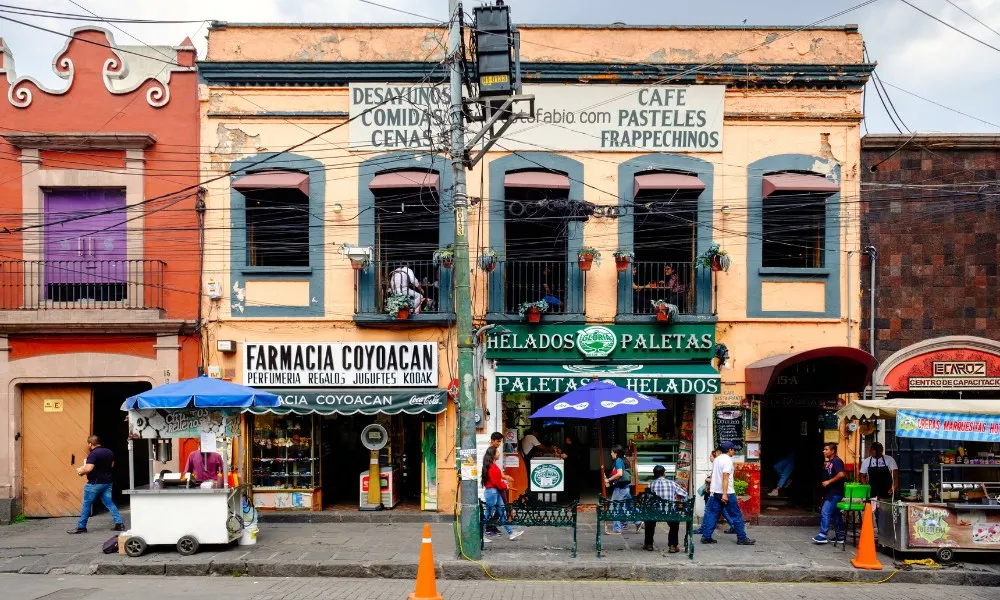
point(866, 558)
point(426, 585)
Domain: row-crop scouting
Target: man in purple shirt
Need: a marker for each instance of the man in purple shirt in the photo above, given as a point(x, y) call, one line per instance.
point(205, 466)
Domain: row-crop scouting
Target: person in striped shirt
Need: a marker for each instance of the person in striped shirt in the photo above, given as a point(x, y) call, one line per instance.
point(671, 492)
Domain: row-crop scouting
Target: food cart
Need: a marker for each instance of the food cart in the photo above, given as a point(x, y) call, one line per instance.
point(175, 509)
point(961, 510)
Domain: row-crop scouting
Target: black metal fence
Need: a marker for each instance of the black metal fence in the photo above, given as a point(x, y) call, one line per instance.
point(81, 284)
point(662, 281)
point(426, 283)
point(560, 283)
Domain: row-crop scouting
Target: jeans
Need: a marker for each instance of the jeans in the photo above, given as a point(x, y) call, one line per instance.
point(784, 469)
point(494, 504)
point(90, 493)
point(830, 510)
point(716, 508)
point(622, 493)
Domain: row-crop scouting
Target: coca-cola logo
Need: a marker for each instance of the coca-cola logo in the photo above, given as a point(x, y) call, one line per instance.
point(428, 400)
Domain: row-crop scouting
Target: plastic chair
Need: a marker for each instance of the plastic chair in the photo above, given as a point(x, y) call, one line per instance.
point(853, 504)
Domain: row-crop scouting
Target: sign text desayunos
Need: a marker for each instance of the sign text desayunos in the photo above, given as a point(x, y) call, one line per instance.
point(341, 364)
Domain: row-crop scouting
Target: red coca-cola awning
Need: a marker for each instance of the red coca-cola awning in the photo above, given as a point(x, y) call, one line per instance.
point(405, 179)
point(799, 182)
point(667, 181)
point(831, 370)
point(273, 180)
point(536, 179)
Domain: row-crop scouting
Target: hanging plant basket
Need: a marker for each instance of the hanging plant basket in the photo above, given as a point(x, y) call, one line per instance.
point(488, 260)
point(720, 262)
point(359, 264)
point(622, 259)
point(444, 257)
point(586, 262)
point(715, 259)
point(447, 263)
point(587, 257)
point(665, 312)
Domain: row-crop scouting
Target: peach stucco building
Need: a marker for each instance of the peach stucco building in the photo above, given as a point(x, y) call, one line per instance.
point(327, 144)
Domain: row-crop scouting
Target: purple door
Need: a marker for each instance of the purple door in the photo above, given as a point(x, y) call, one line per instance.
point(85, 252)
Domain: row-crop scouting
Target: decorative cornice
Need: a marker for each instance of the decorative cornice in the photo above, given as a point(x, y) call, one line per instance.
point(339, 74)
point(931, 141)
point(81, 141)
point(282, 114)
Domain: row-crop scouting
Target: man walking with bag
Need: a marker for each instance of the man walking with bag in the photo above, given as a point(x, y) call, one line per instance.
point(98, 468)
point(723, 499)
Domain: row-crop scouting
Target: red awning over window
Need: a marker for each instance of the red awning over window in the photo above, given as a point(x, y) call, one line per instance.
point(405, 179)
point(667, 181)
point(536, 179)
point(799, 182)
point(273, 180)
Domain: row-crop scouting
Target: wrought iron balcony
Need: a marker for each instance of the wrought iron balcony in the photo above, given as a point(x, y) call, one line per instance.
point(560, 283)
point(427, 284)
point(81, 284)
point(648, 282)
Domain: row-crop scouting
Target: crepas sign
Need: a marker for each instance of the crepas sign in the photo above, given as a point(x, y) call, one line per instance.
point(368, 402)
point(593, 117)
point(341, 364)
point(947, 426)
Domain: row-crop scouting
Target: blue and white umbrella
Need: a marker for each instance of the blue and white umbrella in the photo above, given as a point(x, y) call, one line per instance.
point(596, 400)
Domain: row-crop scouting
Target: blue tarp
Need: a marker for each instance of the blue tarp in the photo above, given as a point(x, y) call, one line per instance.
point(201, 392)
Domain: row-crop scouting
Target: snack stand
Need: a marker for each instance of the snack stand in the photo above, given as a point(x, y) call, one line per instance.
point(961, 511)
point(174, 509)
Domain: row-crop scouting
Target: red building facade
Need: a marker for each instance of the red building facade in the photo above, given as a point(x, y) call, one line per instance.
point(100, 256)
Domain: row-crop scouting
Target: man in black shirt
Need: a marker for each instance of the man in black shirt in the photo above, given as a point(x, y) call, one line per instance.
point(833, 479)
point(99, 470)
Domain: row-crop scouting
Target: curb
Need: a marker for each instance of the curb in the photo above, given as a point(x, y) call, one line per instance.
point(591, 571)
point(335, 516)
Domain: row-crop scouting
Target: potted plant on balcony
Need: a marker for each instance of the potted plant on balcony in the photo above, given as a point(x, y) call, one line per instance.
point(715, 258)
point(664, 310)
point(623, 256)
point(444, 257)
point(587, 257)
point(533, 310)
point(488, 259)
point(399, 305)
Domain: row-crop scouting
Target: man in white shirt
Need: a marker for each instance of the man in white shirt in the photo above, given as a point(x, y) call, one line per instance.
point(880, 472)
point(530, 444)
point(722, 498)
point(404, 281)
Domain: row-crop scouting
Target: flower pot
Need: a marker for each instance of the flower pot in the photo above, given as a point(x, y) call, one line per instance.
point(621, 264)
point(716, 263)
point(534, 315)
point(489, 268)
point(357, 264)
point(586, 261)
point(403, 314)
point(447, 263)
point(662, 315)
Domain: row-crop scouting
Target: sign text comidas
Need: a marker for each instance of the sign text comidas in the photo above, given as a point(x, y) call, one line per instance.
point(341, 364)
point(598, 117)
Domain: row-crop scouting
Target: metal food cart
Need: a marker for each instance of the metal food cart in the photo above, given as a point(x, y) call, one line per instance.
point(174, 509)
point(956, 515)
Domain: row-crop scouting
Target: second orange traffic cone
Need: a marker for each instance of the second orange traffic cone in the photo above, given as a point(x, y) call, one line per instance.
point(866, 558)
point(426, 584)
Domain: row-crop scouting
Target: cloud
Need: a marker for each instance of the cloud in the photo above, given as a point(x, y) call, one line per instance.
point(913, 51)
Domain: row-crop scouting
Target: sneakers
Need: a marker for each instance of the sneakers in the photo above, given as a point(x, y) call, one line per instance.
point(709, 541)
point(516, 535)
point(820, 539)
point(746, 542)
point(486, 540)
point(78, 530)
point(118, 527)
point(639, 526)
point(773, 493)
point(730, 531)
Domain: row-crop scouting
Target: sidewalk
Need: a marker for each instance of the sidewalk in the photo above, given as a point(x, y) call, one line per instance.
point(782, 554)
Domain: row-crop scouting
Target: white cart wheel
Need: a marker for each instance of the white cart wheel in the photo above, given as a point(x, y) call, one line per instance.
point(187, 545)
point(135, 546)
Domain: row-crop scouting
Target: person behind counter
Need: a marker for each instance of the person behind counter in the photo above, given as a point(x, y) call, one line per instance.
point(205, 467)
point(576, 466)
point(494, 487)
point(530, 446)
point(881, 472)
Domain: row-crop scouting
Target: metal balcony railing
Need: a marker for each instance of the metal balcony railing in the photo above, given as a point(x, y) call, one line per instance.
point(671, 282)
point(81, 284)
point(425, 282)
point(562, 284)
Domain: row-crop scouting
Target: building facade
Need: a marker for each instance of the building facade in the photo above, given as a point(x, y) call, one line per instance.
point(930, 209)
point(100, 256)
point(333, 200)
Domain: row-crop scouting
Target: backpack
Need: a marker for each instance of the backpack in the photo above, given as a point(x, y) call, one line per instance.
point(111, 546)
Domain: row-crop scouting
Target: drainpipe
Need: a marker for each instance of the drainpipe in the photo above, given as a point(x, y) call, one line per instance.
point(872, 253)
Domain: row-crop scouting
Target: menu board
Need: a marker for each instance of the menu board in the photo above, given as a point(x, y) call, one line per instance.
point(729, 426)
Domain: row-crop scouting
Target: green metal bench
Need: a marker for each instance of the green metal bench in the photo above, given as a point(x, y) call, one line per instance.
point(647, 506)
point(525, 512)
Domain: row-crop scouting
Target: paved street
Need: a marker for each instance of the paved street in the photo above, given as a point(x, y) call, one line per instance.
point(47, 587)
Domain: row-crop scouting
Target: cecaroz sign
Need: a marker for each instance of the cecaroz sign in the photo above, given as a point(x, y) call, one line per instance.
point(341, 364)
point(608, 118)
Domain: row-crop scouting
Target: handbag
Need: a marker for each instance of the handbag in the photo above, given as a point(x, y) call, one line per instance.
point(625, 480)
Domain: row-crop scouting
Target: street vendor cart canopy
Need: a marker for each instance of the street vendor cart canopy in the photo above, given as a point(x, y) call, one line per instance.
point(201, 392)
point(887, 408)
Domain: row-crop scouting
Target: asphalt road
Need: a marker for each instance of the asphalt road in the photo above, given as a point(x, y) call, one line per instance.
point(51, 587)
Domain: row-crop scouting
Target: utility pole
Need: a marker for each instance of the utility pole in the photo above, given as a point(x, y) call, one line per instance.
point(468, 530)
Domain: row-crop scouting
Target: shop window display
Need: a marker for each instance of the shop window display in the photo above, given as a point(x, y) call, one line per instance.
point(285, 459)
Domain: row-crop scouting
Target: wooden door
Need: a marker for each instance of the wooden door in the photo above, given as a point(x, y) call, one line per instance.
point(56, 423)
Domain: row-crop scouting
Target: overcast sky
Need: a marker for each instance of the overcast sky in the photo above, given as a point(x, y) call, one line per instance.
point(913, 52)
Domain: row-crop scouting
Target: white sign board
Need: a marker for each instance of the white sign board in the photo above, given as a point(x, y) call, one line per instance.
point(547, 475)
point(601, 118)
point(341, 364)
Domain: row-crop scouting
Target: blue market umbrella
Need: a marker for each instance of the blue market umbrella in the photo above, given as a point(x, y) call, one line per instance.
point(201, 392)
point(595, 400)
